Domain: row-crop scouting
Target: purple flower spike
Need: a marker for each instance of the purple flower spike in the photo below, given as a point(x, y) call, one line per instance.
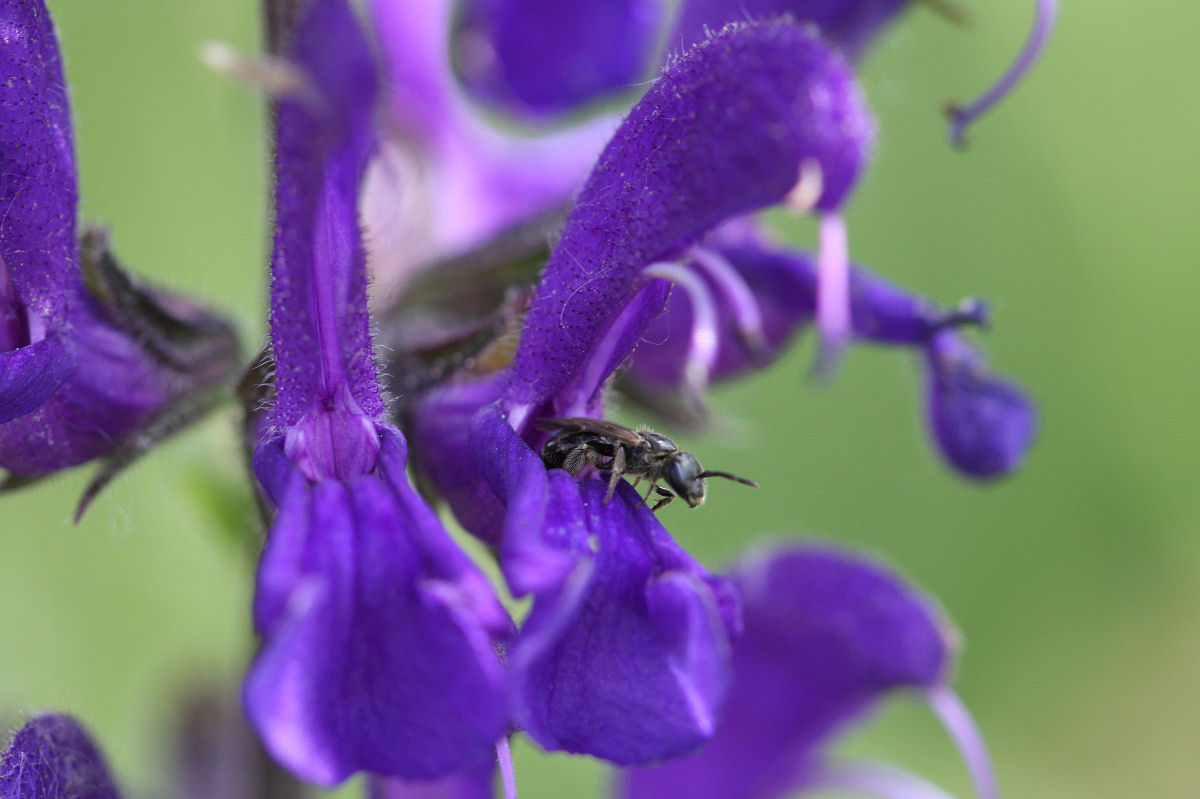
point(728, 129)
point(379, 634)
point(546, 57)
point(982, 424)
point(827, 636)
point(91, 364)
point(53, 757)
point(850, 24)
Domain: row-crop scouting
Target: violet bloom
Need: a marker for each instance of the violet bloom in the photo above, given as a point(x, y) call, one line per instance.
point(827, 637)
point(625, 653)
point(740, 299)
point(53, 757)
point(378, 632)
point(91, 364)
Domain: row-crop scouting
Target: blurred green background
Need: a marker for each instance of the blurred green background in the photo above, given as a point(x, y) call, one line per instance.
point(1076, 584)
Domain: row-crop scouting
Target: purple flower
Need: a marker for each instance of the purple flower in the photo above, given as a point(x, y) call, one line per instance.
point(91, 363)
point(624, 655)
point(52, 757)
point(827, 637)
point(379, 634)
point(741, 298)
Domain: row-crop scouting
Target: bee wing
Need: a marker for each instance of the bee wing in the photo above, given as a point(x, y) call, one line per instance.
point(601, 427)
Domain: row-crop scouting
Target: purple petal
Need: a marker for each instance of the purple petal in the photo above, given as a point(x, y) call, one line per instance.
point(378, 635)
point(544, 532)
point(722, 133)
point(627, 659)
point(473, 783)
point(545, 57)
point(583, 396)
point(850, 24)
point(320, 329)
point(114, 388)
point(441, 437)
point(29, 375)
point(826, 636)
point(983, 425)
point(37, 164)
point(52, 757)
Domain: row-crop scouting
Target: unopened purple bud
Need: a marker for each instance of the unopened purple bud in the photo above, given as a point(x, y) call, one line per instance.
point(982, 424)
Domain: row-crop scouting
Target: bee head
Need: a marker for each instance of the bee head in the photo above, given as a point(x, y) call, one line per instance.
point(683, 476)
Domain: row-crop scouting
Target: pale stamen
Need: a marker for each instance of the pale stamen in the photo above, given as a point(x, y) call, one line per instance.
point(747, 315)
point(810, 185)
point(508, 776)
point(833, 293)
point(966, 737)
point(962, 116)
point(703, 341)
point(873, 779)
point(275, 77)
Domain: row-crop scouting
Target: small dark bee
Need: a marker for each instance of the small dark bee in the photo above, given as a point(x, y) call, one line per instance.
point(606, 446)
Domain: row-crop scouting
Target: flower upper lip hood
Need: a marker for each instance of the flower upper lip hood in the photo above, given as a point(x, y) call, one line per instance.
point(91, 363)
point(725, 131)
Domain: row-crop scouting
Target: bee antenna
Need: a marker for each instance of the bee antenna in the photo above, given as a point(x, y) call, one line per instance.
point(729, 476)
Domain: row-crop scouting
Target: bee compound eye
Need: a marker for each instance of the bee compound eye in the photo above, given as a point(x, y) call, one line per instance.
point(683, 476)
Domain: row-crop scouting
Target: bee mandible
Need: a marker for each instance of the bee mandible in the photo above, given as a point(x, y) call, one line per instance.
point(606, 446)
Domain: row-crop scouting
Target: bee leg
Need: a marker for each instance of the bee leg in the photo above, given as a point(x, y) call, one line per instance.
point(666, 495)
point(649, 491)
point(577, 459)
point(618, 469)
